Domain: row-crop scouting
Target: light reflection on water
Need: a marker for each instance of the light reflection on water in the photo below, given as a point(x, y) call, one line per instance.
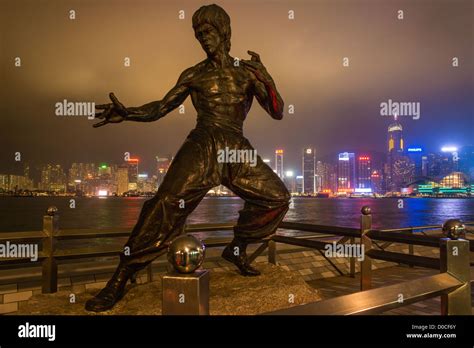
point(25, 214)
point(17, 214)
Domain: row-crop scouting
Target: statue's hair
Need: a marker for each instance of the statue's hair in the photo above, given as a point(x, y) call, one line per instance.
point(218, 18)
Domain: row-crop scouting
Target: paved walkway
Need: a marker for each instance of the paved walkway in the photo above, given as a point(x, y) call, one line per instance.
point(344, 285)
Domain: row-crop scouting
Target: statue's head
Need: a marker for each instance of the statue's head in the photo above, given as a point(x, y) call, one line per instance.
point(212, 28)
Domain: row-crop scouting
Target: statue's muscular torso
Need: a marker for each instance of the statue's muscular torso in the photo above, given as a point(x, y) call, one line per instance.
point(222, 96)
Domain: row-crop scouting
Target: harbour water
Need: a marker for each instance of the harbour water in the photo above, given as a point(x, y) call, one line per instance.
point(25, 214)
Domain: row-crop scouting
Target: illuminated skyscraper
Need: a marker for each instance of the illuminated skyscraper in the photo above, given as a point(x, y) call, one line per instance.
point(363, 172)
point(53, 178)
point(104, 171)
point(162, 166)
point(376, 181)
point(122, 179)
point(145, 184)
point(395, 137)
point(403, 173)
point(309, 171)
point(439, 165)
point(466, 161)
point(346, 172)
point(398, 165)
point(132, 164)
point(279, 163)
point(290, 181)
point(80, 172)
point(416, 155)
point(327, 174)
point(14, 183)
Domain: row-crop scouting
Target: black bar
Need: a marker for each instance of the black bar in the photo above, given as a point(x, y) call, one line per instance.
point(176, 331)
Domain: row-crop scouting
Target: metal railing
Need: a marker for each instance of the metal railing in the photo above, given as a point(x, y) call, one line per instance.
point(365, 235)
point(453, 285)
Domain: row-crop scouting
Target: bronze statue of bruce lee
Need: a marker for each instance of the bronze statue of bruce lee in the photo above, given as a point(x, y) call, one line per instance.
point(222, 90)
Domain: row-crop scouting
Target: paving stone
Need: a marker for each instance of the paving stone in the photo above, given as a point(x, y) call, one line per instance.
point(17, 296)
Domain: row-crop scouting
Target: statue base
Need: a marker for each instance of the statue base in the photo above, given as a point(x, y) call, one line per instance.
point(230, 294)
point(186, 294)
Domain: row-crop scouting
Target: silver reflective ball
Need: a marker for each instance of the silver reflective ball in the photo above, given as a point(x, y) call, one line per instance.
point(454, 229)
point(366, 210)
point(186, 253)
point(52, 210)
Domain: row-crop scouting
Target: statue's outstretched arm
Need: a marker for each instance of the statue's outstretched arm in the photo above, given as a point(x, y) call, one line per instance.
point(116, 112)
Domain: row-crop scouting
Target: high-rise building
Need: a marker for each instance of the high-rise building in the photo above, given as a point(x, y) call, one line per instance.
point(346, 173)
point(452, 155)
point(309, 171)
point(105, 184)
point(403, 173)
point(144, 184)
point(132, 164)
point(15, 183)
point(424, 165)
point(327, 176)
point(53, 178)
point(439, 165)
point(104, 170)
point(397, 163)
point(81, 171)
point(364, 172)
point(466, 161)
point(162, 166)
point(122, 179)
point(82, 178)
point(290, 181)
point(279, 163)
point(395, 137)
point(416, 155)
point(376, 181)
point(4, 182)
point(299, 183)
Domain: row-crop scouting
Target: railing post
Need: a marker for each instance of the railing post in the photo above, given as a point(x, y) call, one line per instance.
point(411, 249)
point(366, 243)
point(49, 265)
point(149, 272)
point(352, 260)
point(455, 259)
point(272, 252)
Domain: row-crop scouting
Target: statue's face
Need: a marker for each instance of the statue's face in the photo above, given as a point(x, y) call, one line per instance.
point(208, 37)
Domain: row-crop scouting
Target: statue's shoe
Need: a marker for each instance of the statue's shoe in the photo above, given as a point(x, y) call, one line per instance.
point(105, 299)
point(113, 291)
point(240, 261)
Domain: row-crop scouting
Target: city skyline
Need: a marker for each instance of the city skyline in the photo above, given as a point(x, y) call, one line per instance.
point(452, 168)
point(293, 158)
point(335, 106)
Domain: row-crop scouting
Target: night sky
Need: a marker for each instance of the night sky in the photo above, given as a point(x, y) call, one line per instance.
point(336, 108)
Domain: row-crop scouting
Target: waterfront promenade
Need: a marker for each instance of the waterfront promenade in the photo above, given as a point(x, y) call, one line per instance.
point(296, 249)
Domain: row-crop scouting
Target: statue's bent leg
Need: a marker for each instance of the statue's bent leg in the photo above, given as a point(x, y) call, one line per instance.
point(266, 203)
point(190, 176)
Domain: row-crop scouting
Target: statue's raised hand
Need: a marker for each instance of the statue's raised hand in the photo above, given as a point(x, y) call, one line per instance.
point(256, 66)
point(114, 112)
